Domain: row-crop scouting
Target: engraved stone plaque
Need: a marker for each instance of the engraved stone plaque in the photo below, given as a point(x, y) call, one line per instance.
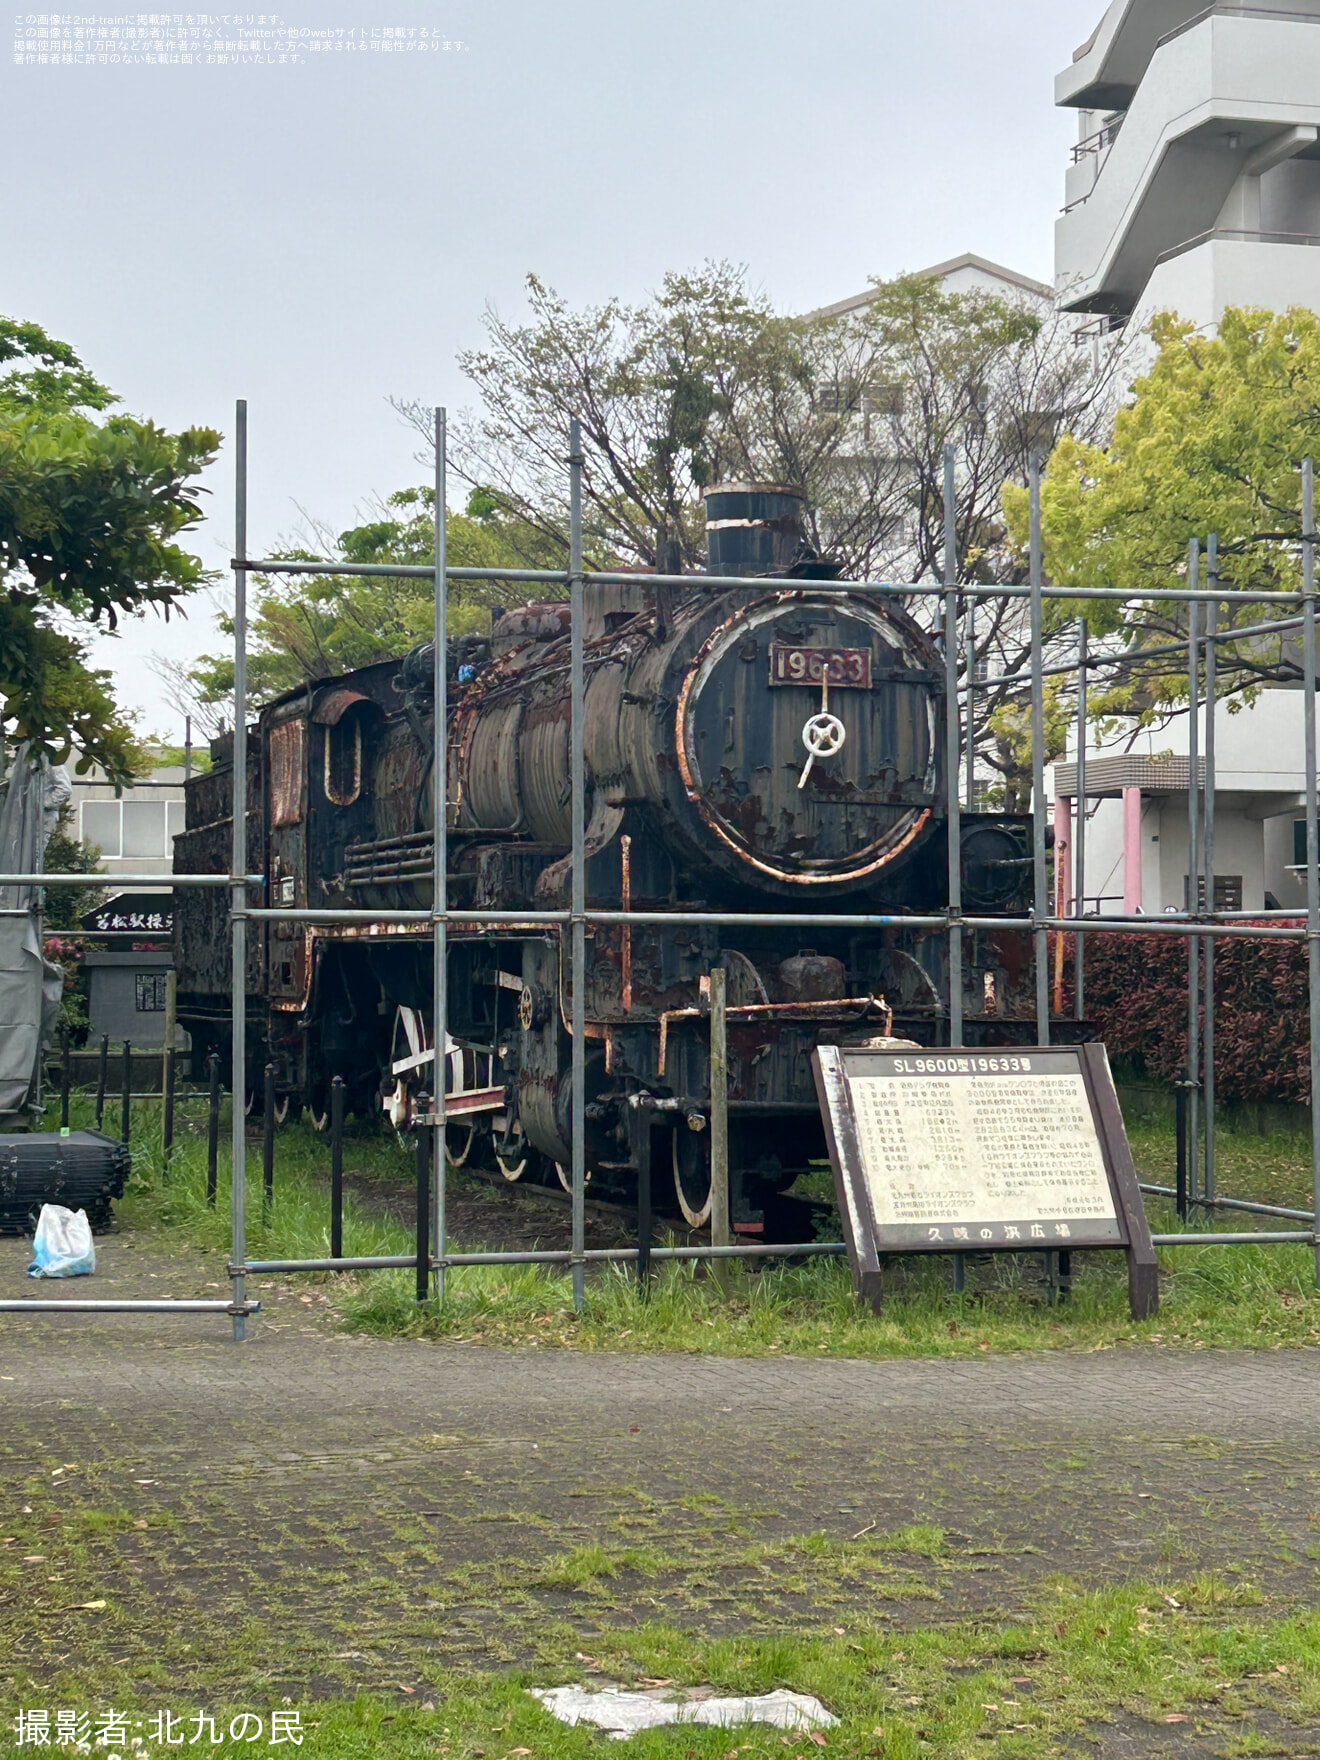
point(1016, 1150)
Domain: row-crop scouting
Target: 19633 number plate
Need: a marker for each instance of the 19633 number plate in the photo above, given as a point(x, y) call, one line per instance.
point(846, 667)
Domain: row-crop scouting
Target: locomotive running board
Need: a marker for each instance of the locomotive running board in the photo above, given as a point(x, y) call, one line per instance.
point(474, 1100)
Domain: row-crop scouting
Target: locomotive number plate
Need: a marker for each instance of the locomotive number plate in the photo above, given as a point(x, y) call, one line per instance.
point(846, 667)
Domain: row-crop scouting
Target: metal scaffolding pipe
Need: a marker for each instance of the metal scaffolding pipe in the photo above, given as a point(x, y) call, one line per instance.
point(1234, 1204)
point(1263, 1239)
point(163, 1306)
point(578, 787)
point(237, 899)
point(1312, 820)
point(952, 730)
point(440, 846)
point(1040, 879)
point(1192, 903)
point(744, 583)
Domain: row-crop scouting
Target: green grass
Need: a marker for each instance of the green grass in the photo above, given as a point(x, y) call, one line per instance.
point(1152, 1653)
point(1225, 1297)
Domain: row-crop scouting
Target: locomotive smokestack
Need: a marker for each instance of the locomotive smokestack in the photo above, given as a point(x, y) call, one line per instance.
point(755, 528)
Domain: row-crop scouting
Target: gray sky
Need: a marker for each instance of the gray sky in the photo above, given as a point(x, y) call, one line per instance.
point(317, 238)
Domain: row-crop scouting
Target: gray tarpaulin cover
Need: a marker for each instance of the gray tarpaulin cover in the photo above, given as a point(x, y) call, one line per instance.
point(30, 987)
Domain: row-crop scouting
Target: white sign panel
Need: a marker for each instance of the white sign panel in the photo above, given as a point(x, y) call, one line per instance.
point(971, 1149)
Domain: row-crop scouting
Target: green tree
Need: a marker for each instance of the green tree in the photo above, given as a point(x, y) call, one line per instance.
point(90, 507)
point(706, 382)
point(1211, 442)
point(308, 627)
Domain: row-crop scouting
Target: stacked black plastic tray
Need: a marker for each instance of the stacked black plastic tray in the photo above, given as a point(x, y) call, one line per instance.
point(84, 1171)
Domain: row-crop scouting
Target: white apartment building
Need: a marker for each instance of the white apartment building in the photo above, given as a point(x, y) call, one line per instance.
point(965, 274)
point(1137, 831)
point(1194, 186)
point(1195, 183)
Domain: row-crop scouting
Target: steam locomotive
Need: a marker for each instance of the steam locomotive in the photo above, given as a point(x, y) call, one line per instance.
point(770, 749)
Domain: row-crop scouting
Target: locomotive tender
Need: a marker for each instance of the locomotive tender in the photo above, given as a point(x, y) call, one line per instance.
point(746, 749)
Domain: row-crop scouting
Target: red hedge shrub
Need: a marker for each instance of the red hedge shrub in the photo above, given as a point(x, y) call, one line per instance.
point(1136, 995)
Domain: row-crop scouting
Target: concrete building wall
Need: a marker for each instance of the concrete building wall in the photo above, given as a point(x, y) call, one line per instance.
point(1196, 128)
point(1260, 777)
point(135, 830)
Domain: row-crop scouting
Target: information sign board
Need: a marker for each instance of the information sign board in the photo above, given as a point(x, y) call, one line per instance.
point(962, 1150)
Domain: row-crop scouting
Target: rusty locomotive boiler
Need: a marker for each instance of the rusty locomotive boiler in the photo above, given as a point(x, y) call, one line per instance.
point(771, 749)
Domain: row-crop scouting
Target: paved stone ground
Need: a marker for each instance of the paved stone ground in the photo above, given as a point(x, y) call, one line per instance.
point(400, 1502)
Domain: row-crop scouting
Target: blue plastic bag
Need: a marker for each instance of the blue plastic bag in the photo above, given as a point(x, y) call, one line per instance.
point(62, 1245)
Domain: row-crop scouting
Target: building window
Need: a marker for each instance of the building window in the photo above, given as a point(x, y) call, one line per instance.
point(343, 760)
point(100, 825)
point(149, 992)
point(130, 828)
point(143, 831)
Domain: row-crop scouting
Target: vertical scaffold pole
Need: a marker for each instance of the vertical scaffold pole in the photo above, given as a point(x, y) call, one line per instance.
point(1208, 861)
point(969, 674)
point(238, 891)
point(1042, 894)
point(578, 785)
point(1193, 873)
point(1079, 826)
point(440, 848)
point(952, 724)
point(1312, 821)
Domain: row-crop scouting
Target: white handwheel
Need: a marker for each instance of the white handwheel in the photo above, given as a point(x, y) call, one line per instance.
point(824, 735)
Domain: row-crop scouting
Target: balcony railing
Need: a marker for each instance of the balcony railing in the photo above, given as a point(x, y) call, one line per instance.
point(1191, 244)
point(1098, 142)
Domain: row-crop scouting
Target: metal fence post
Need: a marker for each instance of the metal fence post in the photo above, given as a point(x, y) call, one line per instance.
point(1208, 862)
point(167, 1042)
point(953, 729)
point(212, 1126)
point(1193, 875)
point(720, 1232)
point(167, 1111)
point(268, 1142)
point(425, 1138)
point(577, 783)
point(64, 1078)
point(440, 845)
point(1079, 826)
point(645, 1222)
point(337, 1168)
point(1312, 822)
point(1042, 895)
point(126, 1092)
point(102, 1073)
point(238, 889)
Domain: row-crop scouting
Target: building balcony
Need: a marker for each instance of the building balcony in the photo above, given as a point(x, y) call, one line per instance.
point(1225, 99)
